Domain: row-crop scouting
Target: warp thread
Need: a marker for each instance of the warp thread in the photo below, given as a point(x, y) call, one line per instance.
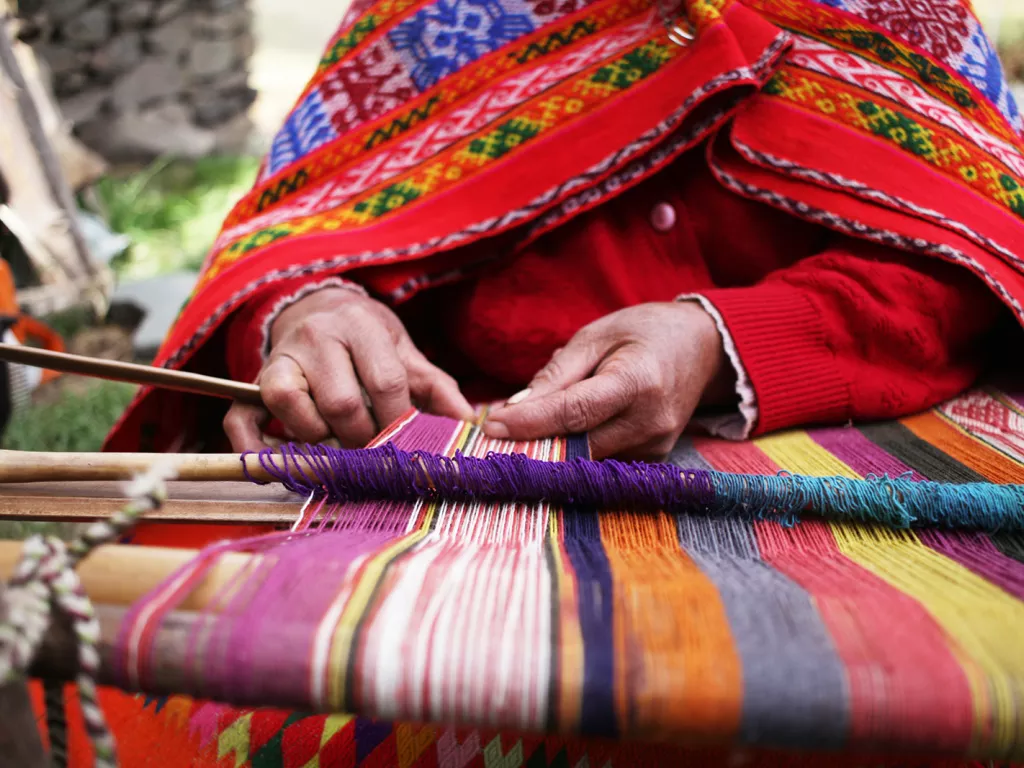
point(387, 472)
point(45, 580)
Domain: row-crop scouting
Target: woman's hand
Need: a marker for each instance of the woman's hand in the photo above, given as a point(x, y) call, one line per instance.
point(632, 380)
point(327, 349)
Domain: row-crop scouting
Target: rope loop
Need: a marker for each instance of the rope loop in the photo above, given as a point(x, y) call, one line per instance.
point(45, 582)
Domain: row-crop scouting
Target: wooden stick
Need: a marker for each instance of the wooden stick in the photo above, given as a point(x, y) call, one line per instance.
point(116, 574)
point(48, 159)
point(183, 381)
point(48, 467)
point(192, 502)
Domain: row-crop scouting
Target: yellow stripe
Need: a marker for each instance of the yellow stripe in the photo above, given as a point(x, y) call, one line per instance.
point(570, 636)
point(798, 453)
point(341, 642)
point(985, 625)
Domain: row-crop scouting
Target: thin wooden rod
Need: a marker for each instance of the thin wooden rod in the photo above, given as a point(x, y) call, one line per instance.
point(119, 575)
point(44, 467)
point(116, 370)
point(83, 509)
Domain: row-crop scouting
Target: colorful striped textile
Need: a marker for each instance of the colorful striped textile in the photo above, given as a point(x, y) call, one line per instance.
point(658, 631)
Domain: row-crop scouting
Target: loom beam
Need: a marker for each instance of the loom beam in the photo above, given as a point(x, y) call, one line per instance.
point(190, 502)
point(120, 575)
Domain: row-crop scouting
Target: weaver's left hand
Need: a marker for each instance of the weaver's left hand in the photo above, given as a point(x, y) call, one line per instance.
point(631, 379)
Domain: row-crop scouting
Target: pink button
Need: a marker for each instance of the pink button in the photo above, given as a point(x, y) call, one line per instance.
point(663, 217)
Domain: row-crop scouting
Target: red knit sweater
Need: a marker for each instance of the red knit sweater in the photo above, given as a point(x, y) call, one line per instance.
point(825, 328)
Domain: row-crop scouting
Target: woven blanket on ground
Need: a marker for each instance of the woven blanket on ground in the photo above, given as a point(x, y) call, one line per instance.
point(652, 629)
point(431, 127)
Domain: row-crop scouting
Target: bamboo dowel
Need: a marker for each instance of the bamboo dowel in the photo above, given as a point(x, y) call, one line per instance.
point(43, 466)
point(115, 370)
point(119, 575)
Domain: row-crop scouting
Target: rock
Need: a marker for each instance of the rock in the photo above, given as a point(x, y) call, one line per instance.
point(119, 55)
point(61, 59)
point(224, 5)
point(165, 129)
point(33, 29)
point(235, 137)
point(134, 14)
point(168, 9)
point(172, 37)
point(245, 45)
point(234, 79)
point(159, 298)
point(32, 7)
point(153, 80)
point(84, 106)
point(89, 28)
point(70, 83)
point(213, 108)
point(61, 10)
point(211, 57)
point(226, 24)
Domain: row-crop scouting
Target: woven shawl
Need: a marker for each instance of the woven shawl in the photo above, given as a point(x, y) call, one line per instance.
point(433, 124)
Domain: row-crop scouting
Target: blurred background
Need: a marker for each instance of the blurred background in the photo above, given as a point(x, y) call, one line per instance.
point(156, 112)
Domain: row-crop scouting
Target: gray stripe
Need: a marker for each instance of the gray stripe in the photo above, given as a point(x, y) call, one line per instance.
point(795, 692)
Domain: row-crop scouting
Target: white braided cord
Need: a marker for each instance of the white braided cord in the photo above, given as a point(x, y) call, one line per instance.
point(45, 582)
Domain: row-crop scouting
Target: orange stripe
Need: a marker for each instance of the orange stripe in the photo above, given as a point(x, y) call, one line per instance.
point(677, 672)
point(968, 450)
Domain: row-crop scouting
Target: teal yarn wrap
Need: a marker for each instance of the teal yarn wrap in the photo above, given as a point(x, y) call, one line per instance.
point(389, 473)
point(883, 500)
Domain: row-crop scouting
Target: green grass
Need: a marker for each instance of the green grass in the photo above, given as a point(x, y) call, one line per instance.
point(77, 421)
point(172, 210)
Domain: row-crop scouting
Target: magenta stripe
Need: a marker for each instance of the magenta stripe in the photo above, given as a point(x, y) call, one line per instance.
point(853, 448)
point(977, 553)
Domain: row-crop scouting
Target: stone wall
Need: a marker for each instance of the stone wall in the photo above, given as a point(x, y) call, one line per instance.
point(142, 78)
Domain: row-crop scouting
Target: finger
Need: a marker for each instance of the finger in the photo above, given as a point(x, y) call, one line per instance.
point(338, 395)
point(285, 391)
point(382, 372)
point(568, 365)
point(580, 408)
point(434, 390)
point(242, 425)
point(621, 439)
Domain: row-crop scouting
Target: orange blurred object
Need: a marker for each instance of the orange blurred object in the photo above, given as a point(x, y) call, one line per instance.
point(26, 329)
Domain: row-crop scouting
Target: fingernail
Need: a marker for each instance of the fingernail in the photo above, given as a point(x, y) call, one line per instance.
point(518, 397)
point(496, 430)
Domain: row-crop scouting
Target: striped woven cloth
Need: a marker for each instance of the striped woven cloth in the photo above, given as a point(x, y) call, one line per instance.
point(648, 628)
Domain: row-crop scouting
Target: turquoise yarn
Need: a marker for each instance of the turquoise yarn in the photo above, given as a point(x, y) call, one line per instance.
point(894, 502)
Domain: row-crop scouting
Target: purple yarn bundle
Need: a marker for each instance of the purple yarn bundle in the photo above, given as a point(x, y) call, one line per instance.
point(390, 473)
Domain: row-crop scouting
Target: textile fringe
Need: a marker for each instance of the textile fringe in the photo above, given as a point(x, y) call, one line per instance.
point(389, 473)
point(44, 580)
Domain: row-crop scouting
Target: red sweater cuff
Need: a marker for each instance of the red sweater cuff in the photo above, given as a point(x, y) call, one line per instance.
point(248, 338)
point(782, 342)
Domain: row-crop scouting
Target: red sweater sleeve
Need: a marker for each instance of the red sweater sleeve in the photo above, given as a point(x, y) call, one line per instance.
point(859, 332)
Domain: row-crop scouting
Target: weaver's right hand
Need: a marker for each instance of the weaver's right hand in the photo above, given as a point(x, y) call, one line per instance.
point(326, 350)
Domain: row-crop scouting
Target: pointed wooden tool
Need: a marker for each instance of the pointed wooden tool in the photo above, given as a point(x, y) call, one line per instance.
point(115, 370)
